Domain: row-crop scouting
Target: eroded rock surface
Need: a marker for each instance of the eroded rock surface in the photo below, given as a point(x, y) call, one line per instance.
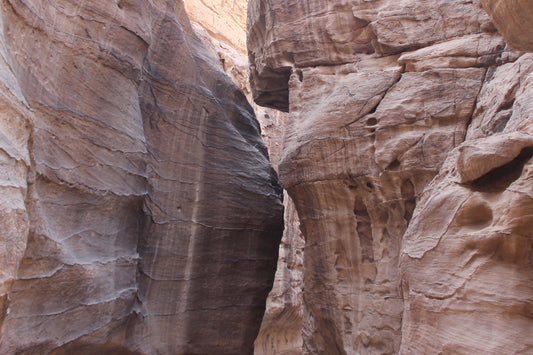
point(221, 25)
point(407, 157)
point(476, 257)
point(514, 20)
point(139, 211)
point(282, 323)
point(281, 330)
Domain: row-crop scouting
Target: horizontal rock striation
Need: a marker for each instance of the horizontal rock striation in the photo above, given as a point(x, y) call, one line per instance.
point(142, 213)
point(406, 154)
point(282, 323)
point(221, 26)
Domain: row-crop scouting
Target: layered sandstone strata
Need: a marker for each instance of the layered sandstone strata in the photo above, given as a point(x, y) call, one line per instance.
point(139, 213)
point(466, 261)
point(224, 20)
point(222, 27)
point(392, 107)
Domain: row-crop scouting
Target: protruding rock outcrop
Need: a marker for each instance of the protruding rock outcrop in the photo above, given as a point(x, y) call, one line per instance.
point(514, 19)
point(405, 214)
point(140, 211)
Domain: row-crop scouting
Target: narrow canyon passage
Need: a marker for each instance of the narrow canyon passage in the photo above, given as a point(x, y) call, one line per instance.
point(266, 176)
point(382, 97)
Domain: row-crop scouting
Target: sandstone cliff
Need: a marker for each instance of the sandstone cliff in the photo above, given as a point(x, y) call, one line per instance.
point(139, 211)
point(514, 20)
point(222, 27)
point(408, 154)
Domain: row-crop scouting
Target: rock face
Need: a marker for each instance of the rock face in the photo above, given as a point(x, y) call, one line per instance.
point(225, 21)
point(468, 250)
point(514, 20)
point(408, 156)
point(139, 211)
point(221, 25)
point(282, 322)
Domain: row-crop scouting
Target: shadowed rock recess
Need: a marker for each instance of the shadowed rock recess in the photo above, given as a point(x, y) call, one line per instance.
point(139, 213)
point(408, 154)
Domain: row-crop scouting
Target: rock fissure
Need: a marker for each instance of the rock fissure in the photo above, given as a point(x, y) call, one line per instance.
point(90, 135)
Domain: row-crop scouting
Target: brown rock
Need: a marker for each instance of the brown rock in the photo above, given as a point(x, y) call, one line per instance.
point(143, 214)
point(374, 149)
point(14, 166)
point(281, 330)
point(225, 21)
point(480, 157)
point(282, 35)
point(222, 29)
point(457, 53)
point(282, 323)
point(468, 248)
point(514, 19)
point(406, 24)
point(497, 99)
point(475, 262)
point(354, 162)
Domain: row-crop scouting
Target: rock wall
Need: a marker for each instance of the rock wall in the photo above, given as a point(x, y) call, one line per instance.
point(222, 27)
point(408, 155)
point(514, 20)
point(139, 211)
point(224, 21)
point(281, 330)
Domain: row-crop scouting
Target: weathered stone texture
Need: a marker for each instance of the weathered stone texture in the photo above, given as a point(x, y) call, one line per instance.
point(221, 25)
point(224, 20)
point(468, 249)
point(139, 211)
point(514, 19)
point(14, 170)
point(282, 323)
point(281, 330)
point(401, 114)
